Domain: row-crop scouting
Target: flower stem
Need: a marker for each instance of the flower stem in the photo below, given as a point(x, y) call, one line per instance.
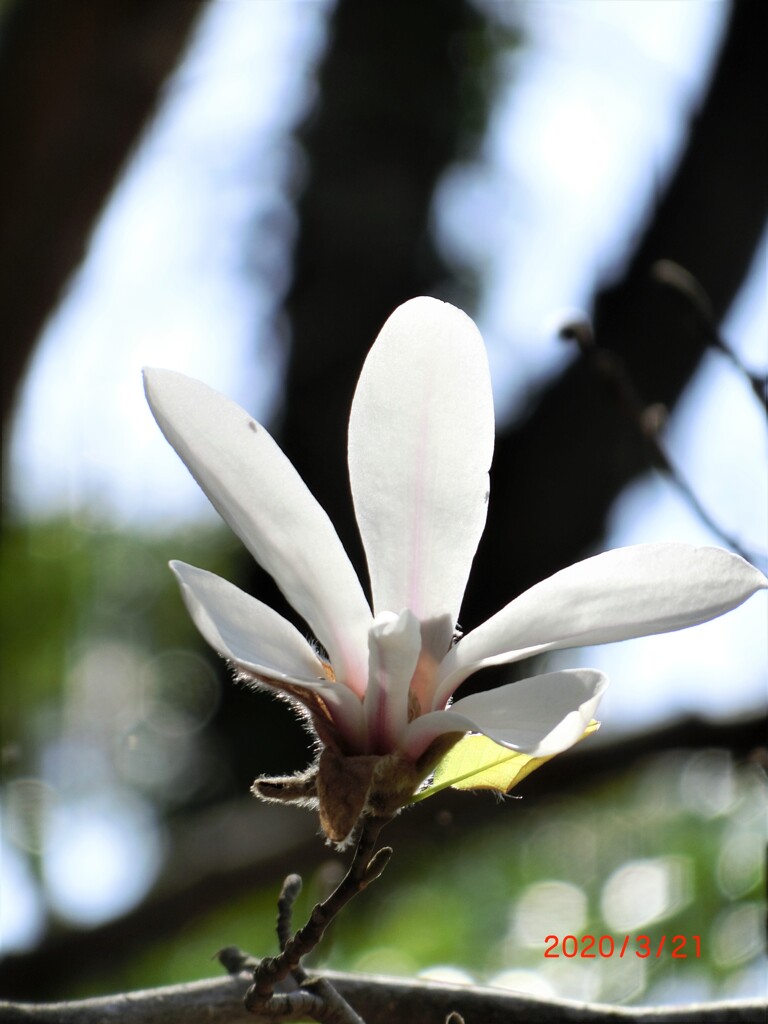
point(316, 996)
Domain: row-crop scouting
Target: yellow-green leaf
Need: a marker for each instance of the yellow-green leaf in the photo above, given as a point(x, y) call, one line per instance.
point(476, 762)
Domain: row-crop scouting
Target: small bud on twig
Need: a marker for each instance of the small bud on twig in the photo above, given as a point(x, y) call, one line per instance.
point(578, 330)
point(376, 865)
point(234, 960)
point(653, 419)
point(674, 276)
point(288, 896)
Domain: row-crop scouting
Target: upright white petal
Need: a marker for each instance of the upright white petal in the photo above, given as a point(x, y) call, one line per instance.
point(256, 490)
point(258, 640)
point(543, 715)
point(624, 593)
point(420, 446)
point(394, 645)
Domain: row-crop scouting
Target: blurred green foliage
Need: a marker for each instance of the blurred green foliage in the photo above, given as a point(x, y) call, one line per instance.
point(98, 648)
point(678, 842)
point(67, 585)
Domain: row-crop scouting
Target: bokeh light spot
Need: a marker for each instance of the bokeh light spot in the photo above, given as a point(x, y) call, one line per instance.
point(643, 891)
point(102, 852)
point(549, 907)
point(737, 934)
point(28, 804)
point(708, 784)
point(180, 692)
point(529, 982)
point(740, 864)
point(22, 914)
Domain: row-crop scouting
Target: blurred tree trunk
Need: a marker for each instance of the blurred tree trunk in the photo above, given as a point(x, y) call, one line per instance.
point(78, 81)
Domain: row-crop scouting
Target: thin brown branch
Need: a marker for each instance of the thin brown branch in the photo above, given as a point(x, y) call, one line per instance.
point(315, 997)
point(365, 868)
point(288, 896)
point(380, 1000)
point(647, 420)
point(672, 275)
point(318, 999)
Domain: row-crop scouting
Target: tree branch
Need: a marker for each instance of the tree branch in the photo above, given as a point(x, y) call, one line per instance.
point(379, 1000)
point(315, 996)
point(365, 868)
point(78, 82)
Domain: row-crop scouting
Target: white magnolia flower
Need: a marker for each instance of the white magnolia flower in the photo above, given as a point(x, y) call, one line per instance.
point(420, 444)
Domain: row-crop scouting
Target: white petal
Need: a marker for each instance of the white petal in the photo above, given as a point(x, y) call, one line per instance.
point(542, 716)
point(244, 630)
point(625, 593)
point(253, 636)
point(420, 445)
point(395, 645)
point(254, 487)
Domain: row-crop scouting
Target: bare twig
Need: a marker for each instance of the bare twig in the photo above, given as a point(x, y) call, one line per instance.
point(365, 867)
point(333, 1007)
point(288, 896)
point(318, 999)
point(380, 999)
point(648, 420)
point(314, 997)
point(671, 274)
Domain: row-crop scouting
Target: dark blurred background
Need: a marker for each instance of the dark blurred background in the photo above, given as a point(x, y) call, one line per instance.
point(244, 190)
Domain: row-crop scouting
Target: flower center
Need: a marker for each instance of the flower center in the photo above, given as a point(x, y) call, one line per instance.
point(423, 684)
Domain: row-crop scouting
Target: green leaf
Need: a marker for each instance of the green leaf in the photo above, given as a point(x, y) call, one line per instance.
point(476, 762)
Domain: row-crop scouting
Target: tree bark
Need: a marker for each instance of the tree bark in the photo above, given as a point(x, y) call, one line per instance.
point(77, 84)
point(379, 1000)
